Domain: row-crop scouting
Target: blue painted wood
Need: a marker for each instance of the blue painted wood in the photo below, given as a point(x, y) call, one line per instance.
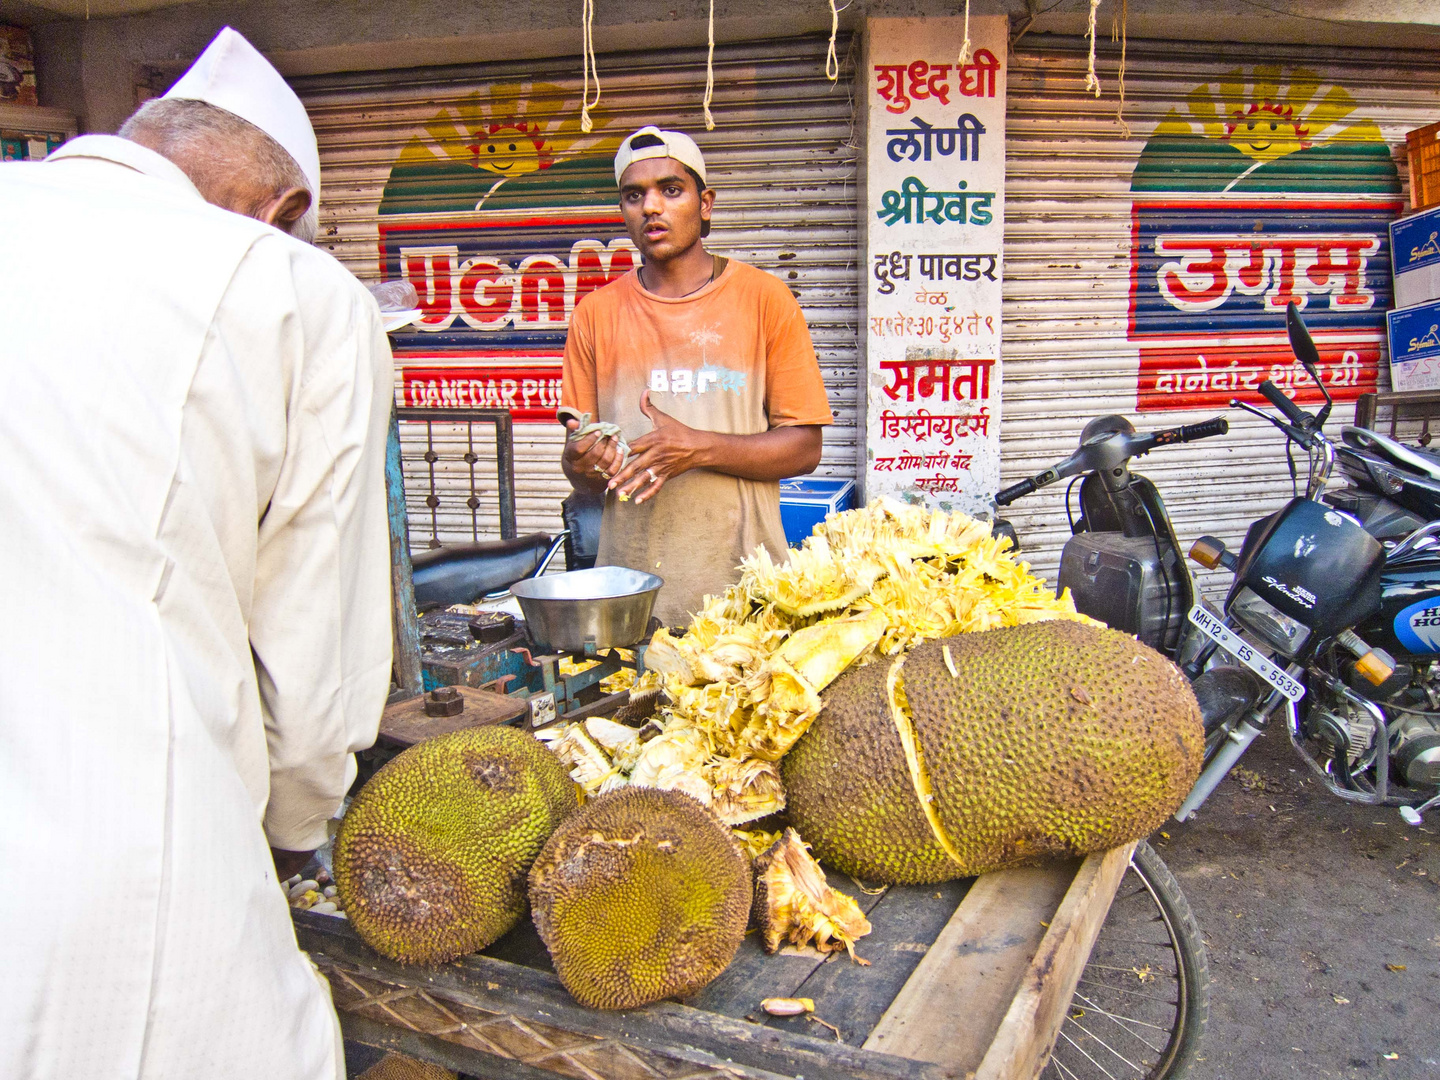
point(405, 622)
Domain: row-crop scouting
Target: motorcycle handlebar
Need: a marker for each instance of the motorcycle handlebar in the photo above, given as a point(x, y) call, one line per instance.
point(1014, 491)
point(1132, 446)
point(1217, 426)
point(1292, 412)
point(1189, 433)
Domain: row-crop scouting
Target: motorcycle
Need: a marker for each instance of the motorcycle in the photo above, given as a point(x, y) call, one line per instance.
point(1331, 626)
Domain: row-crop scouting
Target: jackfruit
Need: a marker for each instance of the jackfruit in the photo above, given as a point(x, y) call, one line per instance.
point(794, 903)
point(1049, 738)
point(639, 896)
point(432, 856)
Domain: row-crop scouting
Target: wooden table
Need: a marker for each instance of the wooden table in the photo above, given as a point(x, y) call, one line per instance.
point(966, 979)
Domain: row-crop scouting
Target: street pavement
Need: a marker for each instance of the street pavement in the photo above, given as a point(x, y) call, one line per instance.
point(1323, 925)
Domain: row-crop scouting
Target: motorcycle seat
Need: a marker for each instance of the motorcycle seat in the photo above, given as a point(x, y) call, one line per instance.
point(459, 573)
point(1416, 461)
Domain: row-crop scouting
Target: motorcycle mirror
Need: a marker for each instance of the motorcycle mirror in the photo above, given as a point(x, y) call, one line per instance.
point(1303, 346)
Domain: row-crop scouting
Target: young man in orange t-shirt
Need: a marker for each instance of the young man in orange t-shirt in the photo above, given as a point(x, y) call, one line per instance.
point(706, 366)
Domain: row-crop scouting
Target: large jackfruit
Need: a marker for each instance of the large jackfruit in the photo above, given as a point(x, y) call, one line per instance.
point(995, 749)
point(432, 856)
point(639, 896)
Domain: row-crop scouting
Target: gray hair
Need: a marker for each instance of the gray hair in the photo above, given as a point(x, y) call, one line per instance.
point(231, 161)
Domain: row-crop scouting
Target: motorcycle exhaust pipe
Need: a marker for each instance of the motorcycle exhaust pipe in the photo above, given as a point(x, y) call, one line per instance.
point(1238, 741)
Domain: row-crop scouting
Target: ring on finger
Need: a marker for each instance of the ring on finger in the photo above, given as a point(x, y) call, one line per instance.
point(653, 478)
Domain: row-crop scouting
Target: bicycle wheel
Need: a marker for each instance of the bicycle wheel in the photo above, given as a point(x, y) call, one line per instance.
point(1143, 1001)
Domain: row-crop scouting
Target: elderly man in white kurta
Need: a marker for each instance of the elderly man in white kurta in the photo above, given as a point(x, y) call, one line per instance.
point(195, 632)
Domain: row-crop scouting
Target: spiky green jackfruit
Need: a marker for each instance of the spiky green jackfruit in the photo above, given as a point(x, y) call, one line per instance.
point(639, 896)
point(995, 749)
point(432, 856)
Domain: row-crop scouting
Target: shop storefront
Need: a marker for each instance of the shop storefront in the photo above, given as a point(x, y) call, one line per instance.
point(1137, 265)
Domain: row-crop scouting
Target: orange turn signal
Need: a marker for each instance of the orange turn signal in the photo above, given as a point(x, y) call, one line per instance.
point(1207, 552)
point(1373, 668)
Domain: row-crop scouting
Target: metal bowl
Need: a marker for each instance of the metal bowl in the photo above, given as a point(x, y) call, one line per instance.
point(603, 607)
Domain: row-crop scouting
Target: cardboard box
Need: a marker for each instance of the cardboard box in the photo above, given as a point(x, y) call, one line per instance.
point(17, 67)
point(1415, 347)
point(805, 500)
point(1415, 257)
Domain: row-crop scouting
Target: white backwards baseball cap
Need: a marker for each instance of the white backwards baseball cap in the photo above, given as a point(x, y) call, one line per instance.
point(654, 143)
point(232, 75)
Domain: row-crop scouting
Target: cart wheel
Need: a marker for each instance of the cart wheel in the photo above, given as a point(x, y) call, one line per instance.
point(1143, 1000)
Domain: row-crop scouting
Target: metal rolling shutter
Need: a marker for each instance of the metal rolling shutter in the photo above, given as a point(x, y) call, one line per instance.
point(781, 159)
point(1070, 347)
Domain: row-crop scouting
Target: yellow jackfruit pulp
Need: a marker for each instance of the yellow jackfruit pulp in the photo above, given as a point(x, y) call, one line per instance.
point(431, 857)
point(1053, 738)
point(876, 580)
point(639, 896)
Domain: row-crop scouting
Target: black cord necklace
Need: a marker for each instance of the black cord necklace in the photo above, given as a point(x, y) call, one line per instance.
point(714, 261)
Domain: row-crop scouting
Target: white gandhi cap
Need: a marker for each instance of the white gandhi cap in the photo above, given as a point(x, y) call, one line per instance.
point(659, 144)
point(232, 75)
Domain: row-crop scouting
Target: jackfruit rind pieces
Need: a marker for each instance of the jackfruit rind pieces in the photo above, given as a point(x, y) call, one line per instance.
point(431, 857)
point(642, 895)
point(794, 902)
point(904, 722)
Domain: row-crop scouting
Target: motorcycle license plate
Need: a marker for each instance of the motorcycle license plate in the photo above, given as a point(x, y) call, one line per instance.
point(1246, 653)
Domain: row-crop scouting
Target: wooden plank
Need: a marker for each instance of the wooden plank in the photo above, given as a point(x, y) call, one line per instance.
point(407, 723)
point(669, 1028)
point(974, 969)
point(1027, 1034)
point(904, 925)
point(522, 946)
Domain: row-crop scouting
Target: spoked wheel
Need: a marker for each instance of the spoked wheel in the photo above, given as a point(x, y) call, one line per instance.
point(1143, 1000)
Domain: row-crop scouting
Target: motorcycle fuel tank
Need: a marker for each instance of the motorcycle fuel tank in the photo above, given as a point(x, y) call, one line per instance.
point(1313, 563)
point(1408, 622)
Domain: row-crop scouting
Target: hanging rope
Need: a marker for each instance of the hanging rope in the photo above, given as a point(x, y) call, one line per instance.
point(1123, 29)
point(587, 62)
point(966, 53)
point(832, 62)
point(1091, 82)
point(709, 72)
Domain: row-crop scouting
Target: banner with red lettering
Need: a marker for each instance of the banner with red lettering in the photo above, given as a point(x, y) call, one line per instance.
point(935, 228)
point(532, 394)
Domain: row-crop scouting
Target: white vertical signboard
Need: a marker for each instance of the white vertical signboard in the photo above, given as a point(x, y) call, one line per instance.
point(935, 225)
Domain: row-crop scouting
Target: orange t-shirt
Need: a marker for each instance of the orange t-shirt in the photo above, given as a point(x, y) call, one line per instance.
point(735, 358)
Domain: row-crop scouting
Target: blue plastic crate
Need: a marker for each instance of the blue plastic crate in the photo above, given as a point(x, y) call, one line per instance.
point(805, 500)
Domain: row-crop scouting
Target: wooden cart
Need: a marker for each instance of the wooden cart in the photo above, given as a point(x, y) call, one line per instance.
point(970, 978)
point(966, 979)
